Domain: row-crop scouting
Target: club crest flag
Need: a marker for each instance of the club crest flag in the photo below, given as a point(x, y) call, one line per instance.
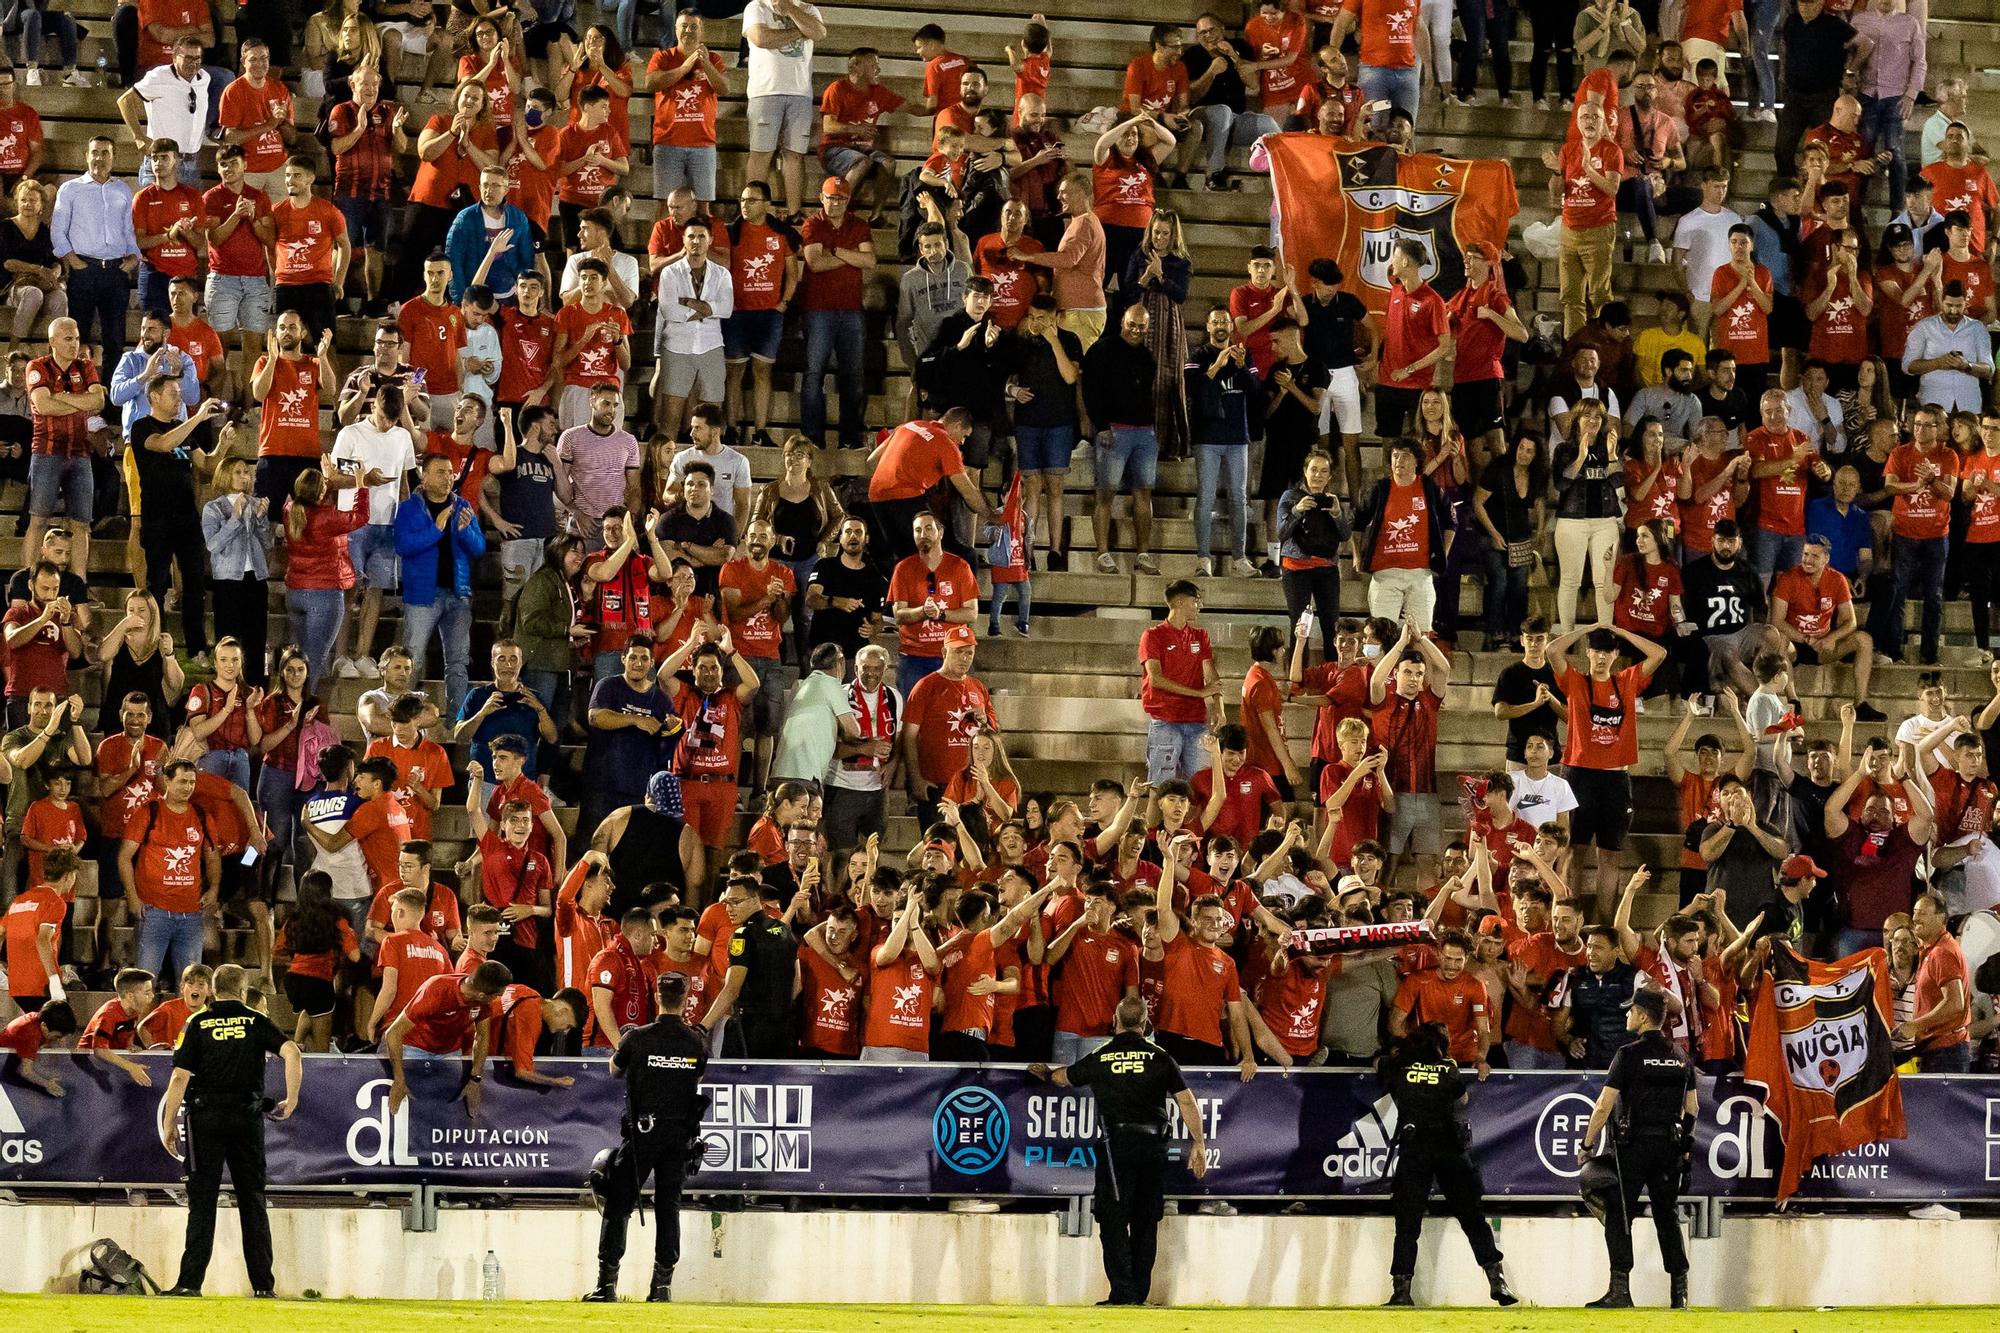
point(1351, 202)
point(1819, 1046)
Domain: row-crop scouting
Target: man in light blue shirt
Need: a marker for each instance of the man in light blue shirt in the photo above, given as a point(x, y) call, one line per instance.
point(153, 356)
point(1951, 354)
point(91, 233)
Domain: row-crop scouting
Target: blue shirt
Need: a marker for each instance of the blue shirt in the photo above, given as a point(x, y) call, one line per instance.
point(1953, 390)
point(509, 719)
point(129, 381)
point(93, 220)
point(1850, 533)
point(621, 759)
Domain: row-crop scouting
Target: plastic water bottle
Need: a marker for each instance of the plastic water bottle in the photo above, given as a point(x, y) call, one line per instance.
point(489, 1278)
point(103, 66)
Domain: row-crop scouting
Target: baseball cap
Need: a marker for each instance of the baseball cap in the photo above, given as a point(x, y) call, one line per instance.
point(940, 845)
point(1493, 925)
point(834, 187)
point(960, 636)
point(1650, 1003)
point(1486, 250)
point(1800, 866)
point(1897, 234)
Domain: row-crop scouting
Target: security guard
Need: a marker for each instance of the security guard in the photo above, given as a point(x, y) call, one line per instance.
point(662, 1064)
point(1431, 1138)
point(219, 1069)
point(763, 974)
point(1133, 1080)
point(1645, 1116)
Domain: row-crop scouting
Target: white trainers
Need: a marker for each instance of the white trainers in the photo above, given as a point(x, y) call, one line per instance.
point(1217, 1208)
point(368, 668)
point(1935, 1212)
point(974, 1206)
point(34, 79)
point(1242, 568)
point(76, 78)
point(1703, 707)
point(1107, 563)
point(1204, 568)
point(1641, 705)
point(346, 669)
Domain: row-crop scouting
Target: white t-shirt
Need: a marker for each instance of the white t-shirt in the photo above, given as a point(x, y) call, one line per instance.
point(176, 108)
point(1705, 237)
point(391, 452)
point(784, 71)
point(1538, 802)
point(624, 267)
point(481, 344)
point(1916, 729)
point(732, 477)
point(1800, 414)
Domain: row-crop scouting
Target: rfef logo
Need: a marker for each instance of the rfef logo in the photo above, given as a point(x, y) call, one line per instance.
point(1559, 1132)
point(971, 1130)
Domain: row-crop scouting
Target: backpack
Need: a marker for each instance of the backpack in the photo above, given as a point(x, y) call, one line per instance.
point(109, 1271)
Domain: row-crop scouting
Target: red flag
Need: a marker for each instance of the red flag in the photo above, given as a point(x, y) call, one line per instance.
point(1819, 1047)
point(1351, 202)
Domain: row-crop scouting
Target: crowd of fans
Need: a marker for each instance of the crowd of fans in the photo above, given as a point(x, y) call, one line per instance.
point(1802, 427)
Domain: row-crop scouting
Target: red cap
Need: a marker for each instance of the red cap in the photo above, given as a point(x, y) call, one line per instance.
point(960, 636)
point(940, 845)
point(1493, 925)
point(1799, 867)
point(834, 186)
point(1485, 250)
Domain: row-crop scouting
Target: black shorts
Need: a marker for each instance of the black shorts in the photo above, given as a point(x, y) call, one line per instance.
point(1603, 814)
point(1806, 653)
point(312, 300)
point(311, 996)
point(539, 37)
point(367, 220)
point(1283, 461)
point(1790, 329)
point(1475, 407)
point(277, 475)
point(1394, 410)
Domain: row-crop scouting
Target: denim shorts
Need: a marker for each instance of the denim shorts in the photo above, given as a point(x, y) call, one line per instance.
point(781, 120)
point(238, 303)
point(367, 221)
point(753, 335)
point(688, 372)
point(372, 549)
point(840, 158)
point(675, 166)
point(1132, 456)
point(1045, 448)
point(767, 706)
point(53, 475)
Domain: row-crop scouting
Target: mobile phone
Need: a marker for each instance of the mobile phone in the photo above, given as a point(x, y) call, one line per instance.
point(249, 856)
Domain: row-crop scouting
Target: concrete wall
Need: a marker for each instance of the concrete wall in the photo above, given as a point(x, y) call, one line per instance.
point(897, 1257)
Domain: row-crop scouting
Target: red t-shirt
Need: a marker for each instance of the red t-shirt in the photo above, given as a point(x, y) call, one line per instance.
point(1200, 983)
point(596, 359)
point(1388, 31)
point(619, 970)
point(1742, 329)
point(1150, 88)
point(1122, 191)
point(1699, 517)
point(239, 254)
point(1184, 656)
point(38, 663)
point(1290, 1003)
point(1262, 698)
point(20, 135)
point(759, 636)
point(1660, 502)
point(111, 1028)
point(1840, 334)
point(1246, 798)
point(1812, 608)
point(114, 756)
point(26, 915)
point(441, 1020)
point(1708, 20)
point(941, 78)
point(952, 584)
point(1977, 279)
point(165, 14)
point(24, 1036)
point(1977, 470)
point(167, 871)
point(1781, 499)
point(58, 826)
point(855, 106)
point(425, 765)
point(1287, 37)
point(713, 724)
point(1360, 814)
point(1404, 539)
point(1968, 188)
point(511, 875)
point(306, 236)
point(1893, 319)
point(918, 456)
point(1407, 729)
point(1014, 284)
point(758, 255)
point(1921, 513)
point(586, 185)
point(1603, 724)
point(530, 188)
point(381, 827)
point(1584, 205)
point(1097, 972)
point(1481, 345)
point(1643, 592)
point(836, 288)
point(950, 712)
point(527, 350)
point(417, 956)
point(199, 341)
point(1342, 693)
point(1457, 1004)
point(155, 209)
point(243, 106)
point(830, 1006)
point(1416, 321)
point(435, 334)
point(899, 1003)
point(1944, 963)
point(441, 919)
point(288, 422)
point(965, 958)
point(684, 114)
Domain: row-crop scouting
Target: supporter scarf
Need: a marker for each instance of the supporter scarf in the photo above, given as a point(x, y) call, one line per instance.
point(875, 712)
point(1353, 939)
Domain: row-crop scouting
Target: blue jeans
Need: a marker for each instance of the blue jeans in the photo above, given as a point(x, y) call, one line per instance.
point(833, 340)
point(230, 763)
point(1847, 940)
point(450, 616)
point(1774, 553)
point(317, 616)
point(1173, 750)
point(910, 670)
point(1024, 602)
point(1212, 463)
point(1761, 18)
point(1223, 129)
point(1882, 130)
point(1068, 1048)
point(1946, 1060)
point(1919, 568)
point(1520, 1055)
point(625, 22)
point(169, 942)
point(278, 802)
point(552, 688)
point(1399, 87)
point(35, 22)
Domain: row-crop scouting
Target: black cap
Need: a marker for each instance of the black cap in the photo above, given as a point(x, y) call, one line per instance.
point(1897, 233)
point(1650, 1003)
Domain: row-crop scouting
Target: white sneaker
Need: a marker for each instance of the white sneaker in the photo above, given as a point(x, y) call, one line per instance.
point(1543, 104)
point(1703, 707)
point(76, 78)
point(34, 79)
point(973, 1206)
point(1642, 707)
point(1242, 568)
point(1217, 1208)
point(346, 669)
point(1656, 253)
point(1935, 1212)
point(1204, 568)
point(368, 668)
point(1107, 563)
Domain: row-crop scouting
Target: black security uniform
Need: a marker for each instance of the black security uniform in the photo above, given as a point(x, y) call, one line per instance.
point(761, 1026)
point(1431, 1141)
point(662, 1063)
point(1134, 1080)
point(1647, 1151)
point(223, 1048)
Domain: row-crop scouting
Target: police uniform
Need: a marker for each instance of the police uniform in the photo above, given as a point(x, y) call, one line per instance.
point(223, 1049)
point(1134, 1080)
point(761, 1026)
point(1431, 1142)
point(1646, 1152)
point(662, 1063)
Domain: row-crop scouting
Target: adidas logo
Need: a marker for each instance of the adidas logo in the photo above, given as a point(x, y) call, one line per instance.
point(16, 1149)
point(1363, 1153)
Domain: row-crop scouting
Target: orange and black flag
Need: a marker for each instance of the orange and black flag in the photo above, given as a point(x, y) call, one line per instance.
point(1351, 202)
point(1819, 1047)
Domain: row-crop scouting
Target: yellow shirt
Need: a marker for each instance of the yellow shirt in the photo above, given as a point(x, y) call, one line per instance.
point(1652, 344)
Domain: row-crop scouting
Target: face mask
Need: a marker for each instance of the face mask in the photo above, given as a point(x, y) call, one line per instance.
point(533, 116)
point(1371, 650)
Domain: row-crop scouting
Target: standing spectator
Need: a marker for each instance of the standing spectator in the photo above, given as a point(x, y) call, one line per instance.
point(254, 112)
point(1781, 458)
point(91, 233)
point(1416, 335)
point(1817, 48)
point(1951, 355)
point(289, 385)
point(931, 592)
point(757, 593)
point(729, 469)
point(1180, 689)
point(312, 251)
point(1923, 477)
point(1873, 855)
point(439, 537)
point(696, 532)
point(169, 870)
point(490, 241)
point(913, 464)
point(941, 715)
point(163, 446)
point(711, 740)
point(634, 731)
point(1123, 163)
point(1701, 243)
point(1590, 1002)
point(510, 708)
point(166, 224)
point(378, 444)
point(1603, 741)
point(696, 296)
point(856, 783)
point(365, 135)
point(593, 350)
point(1157, 277)
point(1939, 1025)
point(1220, 387)
point(1313, 526)
point(1590, 166)
point(1077, 263)
point(172, 101)
point(685, 79)
point(236, 527)
point(1742, 295)
point(1589, 481)
point(764, 270)
point(1894, 74)
point(1395, 43)
point(319, 571)
point(1483, 322)
point(1404, 696)
point(845, 591)
point(780, 35)
point(838, 250)
point(64, 393)
point(1400, 528)
point(597, 464)
point(1118, 398)
point(1048, 363)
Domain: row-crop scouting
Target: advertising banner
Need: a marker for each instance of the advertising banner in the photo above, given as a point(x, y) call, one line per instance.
point(918, 1130)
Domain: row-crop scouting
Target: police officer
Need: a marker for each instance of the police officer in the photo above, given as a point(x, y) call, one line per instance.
point(1431, 1138)
point(763, 975)
point(662, 1064)
point(1133, 1080)
point(1641, 1137)
point(219, 1070)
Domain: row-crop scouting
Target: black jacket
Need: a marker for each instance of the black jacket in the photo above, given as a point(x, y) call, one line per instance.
point(1368, 520)
point(1118, 383)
